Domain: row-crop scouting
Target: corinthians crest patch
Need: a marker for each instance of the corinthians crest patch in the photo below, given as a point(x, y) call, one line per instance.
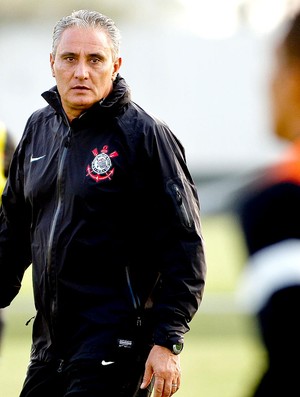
point(101, 167)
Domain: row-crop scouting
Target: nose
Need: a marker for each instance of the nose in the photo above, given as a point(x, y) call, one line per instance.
point(81, 71)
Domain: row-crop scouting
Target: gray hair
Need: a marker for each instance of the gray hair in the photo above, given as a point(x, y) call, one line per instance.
point(86, 19)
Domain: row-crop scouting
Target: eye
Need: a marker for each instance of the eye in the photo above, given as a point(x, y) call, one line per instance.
point(68, 59)
point(95, 60)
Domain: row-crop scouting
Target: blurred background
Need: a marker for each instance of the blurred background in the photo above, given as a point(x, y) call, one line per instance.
point(203, 67)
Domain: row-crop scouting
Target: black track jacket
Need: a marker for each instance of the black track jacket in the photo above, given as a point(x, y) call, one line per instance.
point(106, 212)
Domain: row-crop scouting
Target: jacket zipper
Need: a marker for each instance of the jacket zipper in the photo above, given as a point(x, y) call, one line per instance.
point(134, 298)
point(51, 277)
point(183, 212)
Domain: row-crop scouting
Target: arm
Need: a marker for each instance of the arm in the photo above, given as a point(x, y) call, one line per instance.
point(180, 244)
point(180, 255)
point(14, 235)
point(165, 366)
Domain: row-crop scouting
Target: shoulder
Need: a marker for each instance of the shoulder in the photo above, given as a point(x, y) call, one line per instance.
point(36, 123)
point(38, 120)
point(41, 114)
point(278, 196)
point(138, 117)
point(144, 125)
point(270, 215)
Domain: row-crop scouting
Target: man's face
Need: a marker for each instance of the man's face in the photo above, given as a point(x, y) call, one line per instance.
point(84, 68)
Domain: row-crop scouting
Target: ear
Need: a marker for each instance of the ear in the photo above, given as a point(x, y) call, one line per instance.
point(116, 68)
point(52, 64)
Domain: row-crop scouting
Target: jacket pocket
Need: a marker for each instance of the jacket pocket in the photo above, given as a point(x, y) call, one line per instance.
point(185, 202)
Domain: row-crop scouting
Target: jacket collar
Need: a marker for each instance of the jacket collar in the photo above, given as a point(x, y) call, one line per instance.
point(119, 97)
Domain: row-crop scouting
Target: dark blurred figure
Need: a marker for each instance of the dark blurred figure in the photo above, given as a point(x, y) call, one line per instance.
point(270, 218)
point(7, 148)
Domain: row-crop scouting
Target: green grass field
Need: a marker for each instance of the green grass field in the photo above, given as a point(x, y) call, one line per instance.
point(222, 354)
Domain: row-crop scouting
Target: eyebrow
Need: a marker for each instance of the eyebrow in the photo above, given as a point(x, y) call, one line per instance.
point(66, 54)
point(73, 54)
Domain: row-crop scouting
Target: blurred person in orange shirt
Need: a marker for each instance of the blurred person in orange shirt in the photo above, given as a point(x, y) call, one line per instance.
point(270, 219)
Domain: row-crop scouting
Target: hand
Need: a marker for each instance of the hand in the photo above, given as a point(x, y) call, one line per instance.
point(165, 367)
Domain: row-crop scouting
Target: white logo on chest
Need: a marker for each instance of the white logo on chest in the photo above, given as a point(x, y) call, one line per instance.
point(101, 164)
point(101, 167)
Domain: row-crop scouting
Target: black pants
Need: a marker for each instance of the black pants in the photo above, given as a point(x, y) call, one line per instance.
point(280, 330)
point(85, 378)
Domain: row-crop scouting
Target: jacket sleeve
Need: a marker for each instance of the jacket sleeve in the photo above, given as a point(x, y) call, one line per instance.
point(14, 233)
point(178, 235)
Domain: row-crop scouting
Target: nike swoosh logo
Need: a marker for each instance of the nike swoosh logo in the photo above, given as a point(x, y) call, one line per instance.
point(36, 158)
point(103, 362)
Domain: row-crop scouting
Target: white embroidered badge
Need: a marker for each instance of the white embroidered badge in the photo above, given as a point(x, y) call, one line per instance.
point(101, 167)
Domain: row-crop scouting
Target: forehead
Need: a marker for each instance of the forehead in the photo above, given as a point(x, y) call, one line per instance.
point(87, 40)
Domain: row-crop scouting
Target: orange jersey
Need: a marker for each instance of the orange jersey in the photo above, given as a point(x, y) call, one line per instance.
point(288, 169)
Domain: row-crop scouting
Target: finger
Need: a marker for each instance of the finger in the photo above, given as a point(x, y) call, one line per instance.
point(178, 383)
point(147, 377)
point(174, 388)
point(159, 387)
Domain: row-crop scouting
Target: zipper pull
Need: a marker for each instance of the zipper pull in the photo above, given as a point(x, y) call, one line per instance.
point(28, 321)
point(139, 322)
point(60, 366)
point(177, 194)
point(68, 138)
point(68, 142)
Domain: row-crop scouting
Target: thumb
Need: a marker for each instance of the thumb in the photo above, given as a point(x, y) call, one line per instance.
point(147, 377)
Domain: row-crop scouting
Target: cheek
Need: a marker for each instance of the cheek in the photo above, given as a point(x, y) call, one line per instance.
point(62, 78)
point(103, 82)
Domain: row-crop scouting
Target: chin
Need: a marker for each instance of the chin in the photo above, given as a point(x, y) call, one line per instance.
point(84, 105)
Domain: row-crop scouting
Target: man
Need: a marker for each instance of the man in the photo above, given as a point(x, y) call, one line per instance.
point(100, 201)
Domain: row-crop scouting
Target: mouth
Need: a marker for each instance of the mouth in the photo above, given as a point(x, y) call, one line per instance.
point(80, 88)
